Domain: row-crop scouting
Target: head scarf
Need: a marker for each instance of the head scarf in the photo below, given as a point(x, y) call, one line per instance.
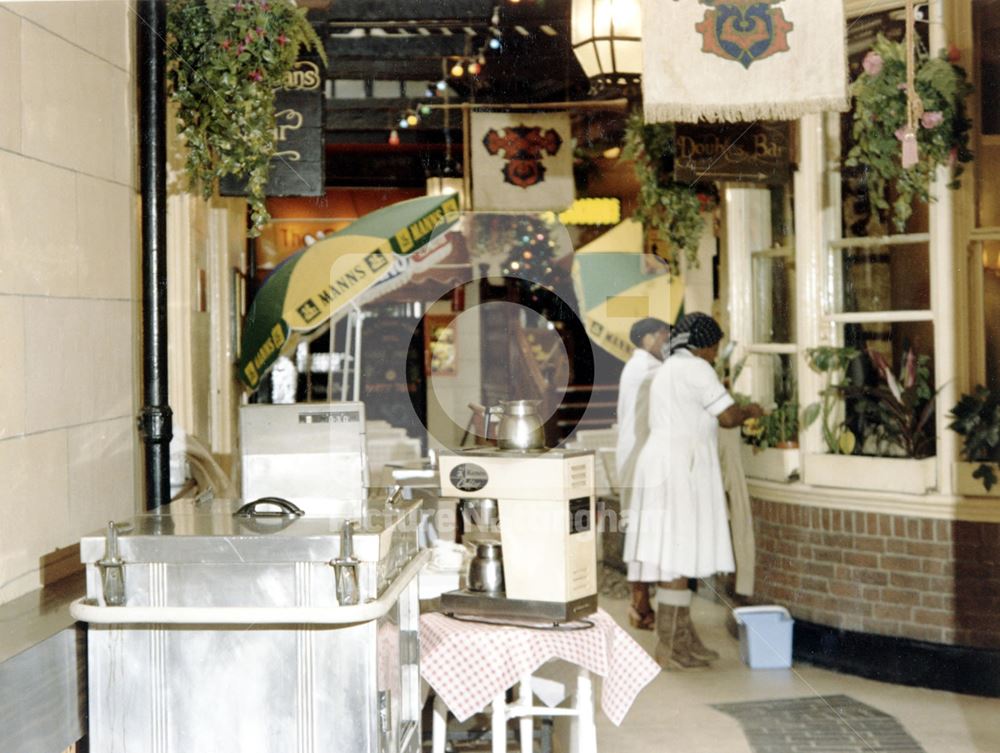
point(648, 326)
point(694, 330)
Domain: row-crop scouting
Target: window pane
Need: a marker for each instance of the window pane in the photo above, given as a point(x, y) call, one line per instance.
point(772, 378)
point(882, 278)
point(991, 311)
point(773, 298)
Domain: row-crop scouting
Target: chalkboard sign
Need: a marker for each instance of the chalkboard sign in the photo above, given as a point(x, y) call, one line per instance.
point(739, 152)
point(298, 167)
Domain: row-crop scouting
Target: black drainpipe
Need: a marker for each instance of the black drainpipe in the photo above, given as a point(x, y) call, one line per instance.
point(155, 420)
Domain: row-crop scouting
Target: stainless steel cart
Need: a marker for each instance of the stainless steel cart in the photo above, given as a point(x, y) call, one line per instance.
point(210, 631)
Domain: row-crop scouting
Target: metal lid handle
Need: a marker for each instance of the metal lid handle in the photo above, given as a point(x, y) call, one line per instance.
point(249, 510)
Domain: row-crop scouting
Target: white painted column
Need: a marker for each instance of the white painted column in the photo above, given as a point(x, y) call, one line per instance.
point(810, 245)
point(748, 229)
point(698, 292)
point(942, 261)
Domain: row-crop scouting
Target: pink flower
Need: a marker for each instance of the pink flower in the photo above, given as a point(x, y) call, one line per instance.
point(239, 48)
point(239, 7)
point(872, 63)
point(932, 119)
point(282, 40)
point(256, 76)
point(226, 44)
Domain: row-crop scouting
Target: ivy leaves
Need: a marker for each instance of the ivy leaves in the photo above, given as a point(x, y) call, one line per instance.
point(225, 60)
point(671, 209)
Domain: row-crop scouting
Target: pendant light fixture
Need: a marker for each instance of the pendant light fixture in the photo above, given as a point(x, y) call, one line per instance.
point(607, 40)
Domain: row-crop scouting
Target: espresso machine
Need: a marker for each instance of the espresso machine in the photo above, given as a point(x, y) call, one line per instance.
point(545, 510)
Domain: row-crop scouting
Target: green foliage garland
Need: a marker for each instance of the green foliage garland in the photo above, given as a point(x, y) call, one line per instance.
point(225, 60)
point(672, 209)
point(880, 115)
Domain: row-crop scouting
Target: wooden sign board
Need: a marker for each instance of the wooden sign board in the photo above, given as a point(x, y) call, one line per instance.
point(738, 152)
point(298, 167)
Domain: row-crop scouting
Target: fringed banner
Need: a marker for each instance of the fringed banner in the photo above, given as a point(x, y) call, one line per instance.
point(522, 161)
point(742, 60)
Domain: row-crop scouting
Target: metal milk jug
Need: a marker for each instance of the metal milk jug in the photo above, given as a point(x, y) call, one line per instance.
point(520, 426)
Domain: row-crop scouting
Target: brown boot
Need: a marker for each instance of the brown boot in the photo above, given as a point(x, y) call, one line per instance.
point(697, 649)
point(640, 612)
point(671, 650)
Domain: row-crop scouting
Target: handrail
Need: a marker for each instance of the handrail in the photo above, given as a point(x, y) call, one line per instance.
point(85, 610)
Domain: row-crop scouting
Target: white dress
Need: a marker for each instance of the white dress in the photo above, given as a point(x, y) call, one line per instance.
point(633, 404)
point(677, 524)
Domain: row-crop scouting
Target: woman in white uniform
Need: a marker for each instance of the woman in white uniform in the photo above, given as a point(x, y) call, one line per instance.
point(677, 526)
point(649, 336)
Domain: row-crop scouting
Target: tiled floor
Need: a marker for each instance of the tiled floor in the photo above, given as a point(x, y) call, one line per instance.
point(679, 712)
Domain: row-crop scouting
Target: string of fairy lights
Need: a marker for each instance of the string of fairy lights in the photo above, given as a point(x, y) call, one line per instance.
point(454, 68)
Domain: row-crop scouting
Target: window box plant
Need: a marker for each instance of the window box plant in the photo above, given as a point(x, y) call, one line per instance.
point(889, 443)
point(770, 444)
point(977, 419)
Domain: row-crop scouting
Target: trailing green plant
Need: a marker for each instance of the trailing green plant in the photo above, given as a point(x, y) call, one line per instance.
point(672, 209)
point(977, 419)
point(880, 115)
point(832, 363)
point(225, 60)
point(777, 427)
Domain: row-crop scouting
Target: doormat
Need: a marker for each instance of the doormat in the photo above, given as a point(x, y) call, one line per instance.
point(820, 724)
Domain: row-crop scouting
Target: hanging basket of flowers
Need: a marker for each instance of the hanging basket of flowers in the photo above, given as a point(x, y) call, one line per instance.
point(225, 60)
point(881, 119)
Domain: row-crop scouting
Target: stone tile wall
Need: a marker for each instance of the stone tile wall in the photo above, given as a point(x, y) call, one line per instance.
point(68, 281)
point(919, 578)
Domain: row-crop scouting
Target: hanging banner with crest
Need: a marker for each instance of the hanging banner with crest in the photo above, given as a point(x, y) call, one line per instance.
point(521, 161)
point(742, 60)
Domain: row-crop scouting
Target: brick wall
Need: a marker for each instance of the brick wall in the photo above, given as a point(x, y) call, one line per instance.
point(930, 580)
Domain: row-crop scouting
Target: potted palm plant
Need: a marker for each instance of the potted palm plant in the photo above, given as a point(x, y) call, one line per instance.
point(888, 444)
point(977, 419)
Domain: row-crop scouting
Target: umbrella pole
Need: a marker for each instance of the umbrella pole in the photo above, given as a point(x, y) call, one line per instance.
point(359, 320)
point(329, 363)
point(347, 358)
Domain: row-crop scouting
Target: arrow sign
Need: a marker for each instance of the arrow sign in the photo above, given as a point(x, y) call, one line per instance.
point(753, 153)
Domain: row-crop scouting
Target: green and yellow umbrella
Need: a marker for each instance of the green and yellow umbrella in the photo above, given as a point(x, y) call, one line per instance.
point(309, 287)
point(617, 285)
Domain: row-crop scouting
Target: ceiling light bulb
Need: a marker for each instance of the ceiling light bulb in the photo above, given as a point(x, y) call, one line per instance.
point(474, 68)
point(457, 70)
point(425, 110)
point(393, 137)
point(494, 44)
point(412, 119)
point(403, 123)
point(441, 85)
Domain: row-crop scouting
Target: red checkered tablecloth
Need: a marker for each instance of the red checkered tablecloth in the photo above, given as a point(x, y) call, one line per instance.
point(468, 663)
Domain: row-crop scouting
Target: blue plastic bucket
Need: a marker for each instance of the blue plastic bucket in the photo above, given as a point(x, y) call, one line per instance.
point(765, 636)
